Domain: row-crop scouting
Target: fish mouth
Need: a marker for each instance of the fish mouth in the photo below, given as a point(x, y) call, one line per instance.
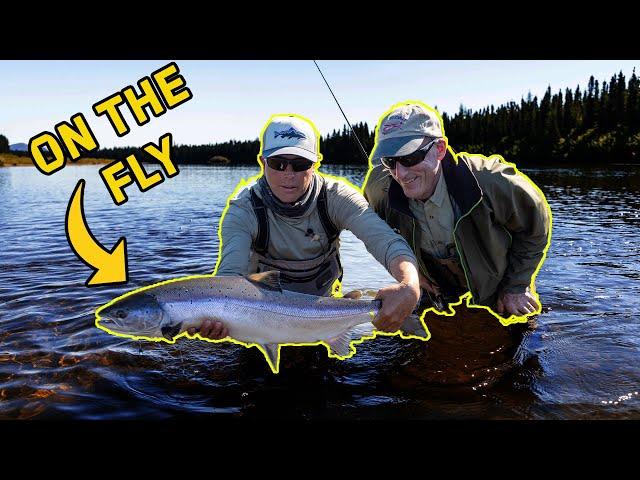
point(111, 323)
point(118, 326)
point(113, 327)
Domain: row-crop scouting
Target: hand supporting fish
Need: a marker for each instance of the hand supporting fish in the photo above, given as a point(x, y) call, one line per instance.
point(211, 328)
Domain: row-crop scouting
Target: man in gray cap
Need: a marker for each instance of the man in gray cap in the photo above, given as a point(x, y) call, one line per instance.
point(290, 220)
point(476, 224)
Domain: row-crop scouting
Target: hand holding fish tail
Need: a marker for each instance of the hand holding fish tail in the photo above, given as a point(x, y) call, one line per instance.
point(212, 329)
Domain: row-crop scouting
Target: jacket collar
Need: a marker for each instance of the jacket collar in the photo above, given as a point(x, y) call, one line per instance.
point(461, 183)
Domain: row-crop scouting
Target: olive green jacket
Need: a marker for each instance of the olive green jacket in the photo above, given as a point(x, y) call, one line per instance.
point(502, 222)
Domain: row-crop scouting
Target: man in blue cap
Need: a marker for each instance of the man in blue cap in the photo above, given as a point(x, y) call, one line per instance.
point(290, 220)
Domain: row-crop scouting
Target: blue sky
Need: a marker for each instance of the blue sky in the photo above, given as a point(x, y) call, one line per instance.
point(233, 99)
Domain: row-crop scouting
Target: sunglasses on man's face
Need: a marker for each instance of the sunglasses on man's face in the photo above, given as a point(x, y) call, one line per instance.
point(410, 160)
point(280, 164)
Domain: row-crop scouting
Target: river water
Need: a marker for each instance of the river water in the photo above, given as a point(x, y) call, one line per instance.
point(578, 360)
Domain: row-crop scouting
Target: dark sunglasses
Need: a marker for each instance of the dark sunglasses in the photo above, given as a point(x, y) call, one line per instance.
point(280, 164)
point(408, 160)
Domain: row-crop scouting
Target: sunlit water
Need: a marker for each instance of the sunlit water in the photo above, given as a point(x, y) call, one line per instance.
point(581, 361)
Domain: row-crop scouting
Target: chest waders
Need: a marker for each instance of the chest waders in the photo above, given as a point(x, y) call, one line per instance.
point(315, 276)
point(448, 275)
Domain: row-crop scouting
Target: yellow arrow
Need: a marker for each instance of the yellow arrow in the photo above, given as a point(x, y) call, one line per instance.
point(110, 266)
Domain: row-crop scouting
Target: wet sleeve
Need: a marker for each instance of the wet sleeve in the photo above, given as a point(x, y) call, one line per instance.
point(522, 209)
point(239, 228)
point(349, 210)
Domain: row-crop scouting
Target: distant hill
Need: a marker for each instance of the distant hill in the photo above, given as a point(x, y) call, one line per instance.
point(18, 147)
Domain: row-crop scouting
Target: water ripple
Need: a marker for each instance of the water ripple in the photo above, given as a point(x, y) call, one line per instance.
point(580, 361)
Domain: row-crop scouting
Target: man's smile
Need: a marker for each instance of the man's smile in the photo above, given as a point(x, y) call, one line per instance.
point(408, 182)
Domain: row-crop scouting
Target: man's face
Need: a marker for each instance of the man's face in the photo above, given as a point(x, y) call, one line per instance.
point(419, 181)
point(288, 185)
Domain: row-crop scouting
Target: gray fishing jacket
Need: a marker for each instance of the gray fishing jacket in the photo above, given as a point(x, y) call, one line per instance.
point(290, 238)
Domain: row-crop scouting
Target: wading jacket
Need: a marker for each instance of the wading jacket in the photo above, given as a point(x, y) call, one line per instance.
point(502, 222)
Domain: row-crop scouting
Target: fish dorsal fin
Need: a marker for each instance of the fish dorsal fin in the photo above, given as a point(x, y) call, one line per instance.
point(270, 279)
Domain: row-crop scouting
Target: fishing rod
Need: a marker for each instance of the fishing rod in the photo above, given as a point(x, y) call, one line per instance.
point(438, 301)
point(364, 153)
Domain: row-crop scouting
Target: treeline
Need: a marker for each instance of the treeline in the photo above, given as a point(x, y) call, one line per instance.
point(336, 148)
point(597, 125)
point(600, 124)
point(234, 152)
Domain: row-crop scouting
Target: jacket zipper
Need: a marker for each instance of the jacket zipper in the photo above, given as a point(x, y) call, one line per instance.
point(463, 259)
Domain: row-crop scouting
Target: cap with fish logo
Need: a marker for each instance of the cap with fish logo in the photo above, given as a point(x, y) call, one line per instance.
point(290, 134)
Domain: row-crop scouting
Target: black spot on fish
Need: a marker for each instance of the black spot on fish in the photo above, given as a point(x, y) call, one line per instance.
point(171, 331)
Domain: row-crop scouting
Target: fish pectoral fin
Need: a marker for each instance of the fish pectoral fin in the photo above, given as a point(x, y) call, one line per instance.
point(365, 330)
point(170, 331)
point(341, 345)
point(269, 280)
point(272, 352)
point(413, 326)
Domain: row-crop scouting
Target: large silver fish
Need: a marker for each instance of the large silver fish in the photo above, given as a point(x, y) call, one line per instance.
point(255, 309)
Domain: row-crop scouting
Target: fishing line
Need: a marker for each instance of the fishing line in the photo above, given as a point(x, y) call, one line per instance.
point(364, 153)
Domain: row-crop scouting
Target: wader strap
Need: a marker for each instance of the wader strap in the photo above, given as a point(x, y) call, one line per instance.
point(329, 227)
point(262, 241)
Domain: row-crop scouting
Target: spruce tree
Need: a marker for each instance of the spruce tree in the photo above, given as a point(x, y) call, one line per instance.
point(632, 117)
point(4, 144)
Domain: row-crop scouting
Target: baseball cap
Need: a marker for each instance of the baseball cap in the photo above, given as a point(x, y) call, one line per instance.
point(403, 130)
point(290, 134)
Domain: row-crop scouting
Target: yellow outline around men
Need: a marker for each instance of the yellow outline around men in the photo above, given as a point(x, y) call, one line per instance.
point(337, 287)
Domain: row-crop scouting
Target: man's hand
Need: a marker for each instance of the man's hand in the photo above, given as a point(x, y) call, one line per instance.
point(517, 303)
point(398, 301)
point(353, 294)
point(211, 328)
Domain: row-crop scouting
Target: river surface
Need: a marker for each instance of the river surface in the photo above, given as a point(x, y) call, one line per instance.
point(578, 360)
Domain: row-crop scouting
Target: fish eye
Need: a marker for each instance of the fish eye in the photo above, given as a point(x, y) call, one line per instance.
point(121, 314)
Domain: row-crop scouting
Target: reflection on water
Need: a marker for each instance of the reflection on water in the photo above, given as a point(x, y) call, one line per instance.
point(580, 361)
